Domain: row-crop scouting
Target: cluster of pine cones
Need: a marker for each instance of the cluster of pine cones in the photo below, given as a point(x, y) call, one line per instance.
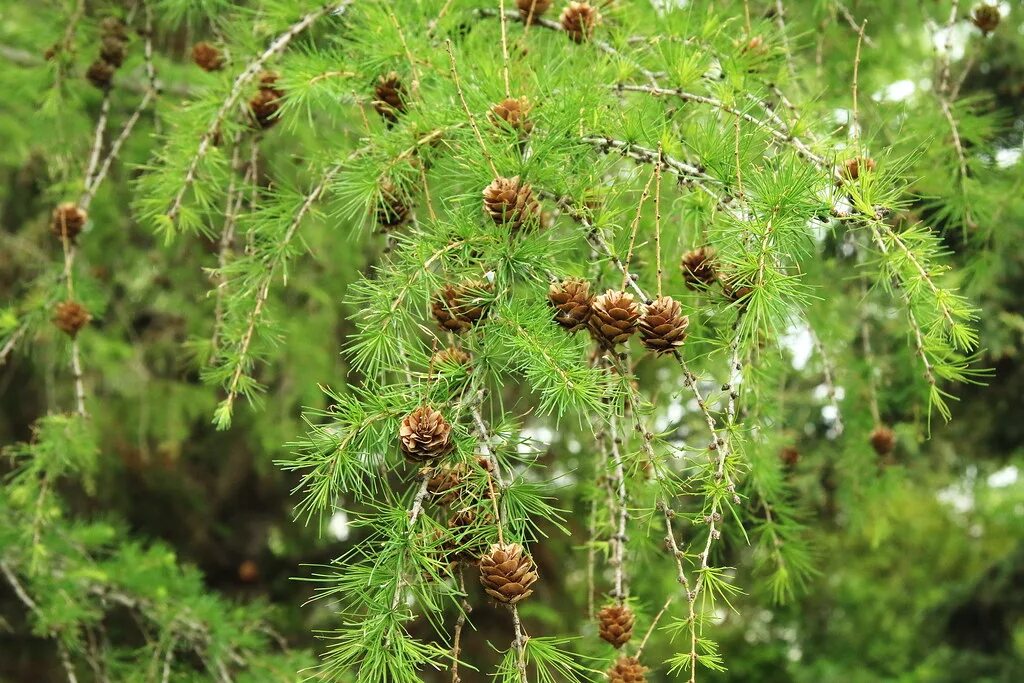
point(113, 49)
point(578, 19)
point(66, 223)
point(613, 317)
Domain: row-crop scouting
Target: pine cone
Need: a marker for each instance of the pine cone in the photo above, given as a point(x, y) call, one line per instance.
point(789, 456)
point(572, 301)
point(452, 356)
point(579, 20)
point(392, 211)
point(698, 267)
point(986, 17)
point(511, 202)
point(530, 10)
point(458, 307)
point(883, 440)
point(616, 624)
point(267, 102)
point(100, 74)
point(627, 670)
point(113, 27)
point(70, 317)
point(613, 317)
point(444, 483)
point(68, 220)
point(663, 326)
point(207, 57)
point(852, 168)
point(389, 96)
point(733, 289)
point(507, 572)
point(112, 51)
point(513, 112)
point(425, 434)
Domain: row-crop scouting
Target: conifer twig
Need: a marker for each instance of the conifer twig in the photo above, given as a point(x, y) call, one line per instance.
point(241, 81)
point(504, 48)
point(657, 217)
point(621, 515)
point(635, 225)
point(465, 107)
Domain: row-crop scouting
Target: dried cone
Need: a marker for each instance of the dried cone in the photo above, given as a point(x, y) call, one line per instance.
point(734, 290)
point(852, 168)
point(511, 202)
point(986, 17)
point(616, 624)
point(663, 325)
point(698, 266)
point(267, 102)
point(392, 211)
point(579, 20)
point(113, 51)
point(70, 317)
point(529, 10)
point(425, 434)
point(572, 301)
point(68, 221)
point(627, 670)
point(883, 440)
point(389, 96)
point(506, 572)
point(515, 113)
point(100, 74)
point(614, 317)
point(207, 57)
point(444, 483)
point(458, 307)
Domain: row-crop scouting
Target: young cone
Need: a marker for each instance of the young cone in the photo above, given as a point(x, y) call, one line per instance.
point(508, 201)
point(425, 435)
point(389, 97)
point(615, 624)
point(698, 266)
point(579, 20)
point(70, 317)
point(627, 670)
point(513, 112)
point(530, 10)
point(613, 318)
point(458, 307)
point(68, 221)
point(506, 572)
point(663, 326)
point(572, 301)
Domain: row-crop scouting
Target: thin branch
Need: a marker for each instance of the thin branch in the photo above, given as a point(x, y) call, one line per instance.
point(469, 113)
point(241, 81)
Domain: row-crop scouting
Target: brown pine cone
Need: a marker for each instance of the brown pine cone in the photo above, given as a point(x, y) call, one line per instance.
point(267, 102)
point(515, 113)
point(511, 202)
point(113, 51)
point(613, 317)
point(530, 10)
point(392, 211)
point(113, 27)
point(615, 624)
point(100, 74)
point(389, 94)
point(444, 483)
point(506, 572)
point(579, 20)
point(663, 326)
point(852, 168)
point(986, 17)
point(70, 317)
point(572, 300)
point(458, 307)
point(207, 57)
point(789, 456)
point(425, 434)
point(627, 670)
point(68, 220)
point(732, 289)
point(883, 440)
point(698, 266)
point(452, 357)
